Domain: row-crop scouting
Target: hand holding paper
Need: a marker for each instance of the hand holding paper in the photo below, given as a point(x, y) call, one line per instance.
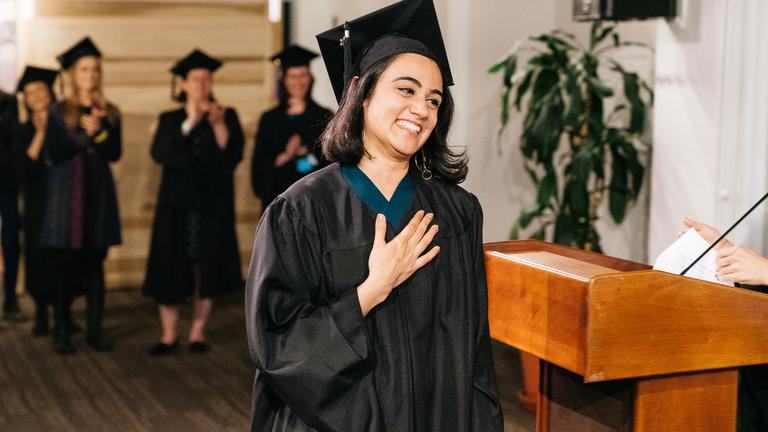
point(681, 253)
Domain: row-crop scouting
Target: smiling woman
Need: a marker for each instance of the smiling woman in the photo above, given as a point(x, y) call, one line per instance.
point(360, 315)
point(287, 146)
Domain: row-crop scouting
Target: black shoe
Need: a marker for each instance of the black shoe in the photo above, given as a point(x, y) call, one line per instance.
point(199, 347)
point(99, 342)
point(162, 349)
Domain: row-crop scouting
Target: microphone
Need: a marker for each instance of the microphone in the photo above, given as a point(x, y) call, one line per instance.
point(722, 236)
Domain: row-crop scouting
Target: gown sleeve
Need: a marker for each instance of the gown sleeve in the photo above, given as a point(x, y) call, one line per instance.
point(486, 411)
point(314, 354)
point(168, 145)
point(111, 146)
point(263, 163)
point(232, 153)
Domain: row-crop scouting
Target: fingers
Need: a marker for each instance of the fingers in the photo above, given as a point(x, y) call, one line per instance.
point(421, 246)
point(421, 229)
point(410, 229)
point(690, 223)
point(427, 257)
point(728, 277)
point(380, 233)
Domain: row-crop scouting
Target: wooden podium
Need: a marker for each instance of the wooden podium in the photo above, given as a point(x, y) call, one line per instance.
point(622, 347)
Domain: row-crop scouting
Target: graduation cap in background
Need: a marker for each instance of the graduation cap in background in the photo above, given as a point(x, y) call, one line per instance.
point(194, 60)
point(292, 56)
point(85, 47)
point(408, 26)
point(32, 74)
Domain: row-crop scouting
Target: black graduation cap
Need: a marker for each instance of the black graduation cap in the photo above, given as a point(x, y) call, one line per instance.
point(408, 26)
point(83, 48)
point(293, 55)
point(195, 59)
point(32, 74)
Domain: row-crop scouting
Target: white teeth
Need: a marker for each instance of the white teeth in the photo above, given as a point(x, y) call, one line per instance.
point(408, 125)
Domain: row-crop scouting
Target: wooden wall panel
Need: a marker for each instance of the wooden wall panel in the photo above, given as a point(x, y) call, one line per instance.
point(140, 41)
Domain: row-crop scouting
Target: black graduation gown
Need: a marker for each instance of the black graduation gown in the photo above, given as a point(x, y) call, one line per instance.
point(34, 178)
point(9, 172)
point(203, 182)
point(73, 154)
point(274, 130)
point(420, 361)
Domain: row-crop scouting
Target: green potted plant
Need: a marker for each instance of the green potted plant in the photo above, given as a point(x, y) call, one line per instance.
point(570, 101)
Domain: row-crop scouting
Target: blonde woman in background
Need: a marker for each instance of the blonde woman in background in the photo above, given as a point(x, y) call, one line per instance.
point(81, 220)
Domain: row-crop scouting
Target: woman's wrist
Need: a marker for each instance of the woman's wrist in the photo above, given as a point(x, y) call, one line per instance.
point(370, 293)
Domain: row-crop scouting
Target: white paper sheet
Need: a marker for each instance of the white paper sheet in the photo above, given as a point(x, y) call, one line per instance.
point(681, 253)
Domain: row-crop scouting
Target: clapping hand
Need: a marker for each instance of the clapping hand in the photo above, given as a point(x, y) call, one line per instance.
point(91, 123)
point(215, 113)
point(292, 148)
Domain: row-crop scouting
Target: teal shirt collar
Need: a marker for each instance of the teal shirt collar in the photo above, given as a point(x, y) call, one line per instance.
point(394, 209)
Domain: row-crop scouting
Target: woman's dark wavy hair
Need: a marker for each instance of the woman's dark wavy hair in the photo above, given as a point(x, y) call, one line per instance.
point(342, 140)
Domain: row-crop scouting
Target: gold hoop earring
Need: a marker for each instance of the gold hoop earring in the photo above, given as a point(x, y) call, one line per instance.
point(426, 174)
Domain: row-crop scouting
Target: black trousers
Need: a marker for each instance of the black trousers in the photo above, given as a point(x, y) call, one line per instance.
point(753, 399)
point(76, 272)
point(9, 215)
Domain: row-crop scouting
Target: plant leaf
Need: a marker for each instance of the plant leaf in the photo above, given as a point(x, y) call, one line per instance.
point(540, 233)
point(599, 87)
point(527, 215)
point(514, 233)
point(523, 87)
point(617, 191)
point(564, 230)
point(547, 188)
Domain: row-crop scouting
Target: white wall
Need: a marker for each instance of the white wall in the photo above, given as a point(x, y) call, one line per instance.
point(710, 133)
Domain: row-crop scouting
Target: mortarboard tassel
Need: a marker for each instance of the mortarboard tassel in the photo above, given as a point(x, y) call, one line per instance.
point(346, 42)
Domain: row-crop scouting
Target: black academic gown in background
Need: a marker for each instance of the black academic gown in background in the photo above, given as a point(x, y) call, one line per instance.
point(275, 128)
point(420, 361)
point(204, 182)
point(37, 280)
point(9, 167)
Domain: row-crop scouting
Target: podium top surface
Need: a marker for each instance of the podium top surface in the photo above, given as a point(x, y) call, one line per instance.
point(559, 264)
